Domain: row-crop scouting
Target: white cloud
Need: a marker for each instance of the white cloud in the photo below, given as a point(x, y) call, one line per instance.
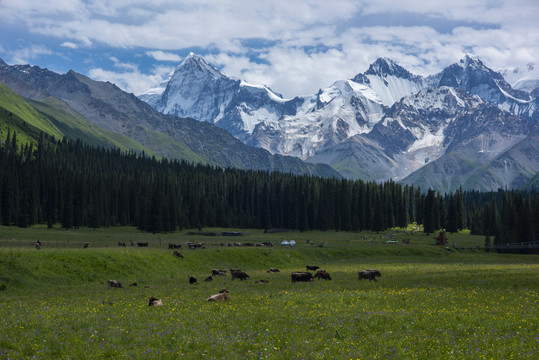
point(69, 44)
point(24, 55)
point(163, 56)
point(132, 81)
point(303, 45)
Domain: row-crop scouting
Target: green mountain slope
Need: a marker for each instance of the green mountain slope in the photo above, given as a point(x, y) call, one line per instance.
point(54, 117)
point(18, 115)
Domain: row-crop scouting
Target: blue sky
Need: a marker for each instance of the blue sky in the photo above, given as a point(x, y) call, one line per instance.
point(295, 47)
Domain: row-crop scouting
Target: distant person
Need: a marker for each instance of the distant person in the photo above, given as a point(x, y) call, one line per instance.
point(38, 245)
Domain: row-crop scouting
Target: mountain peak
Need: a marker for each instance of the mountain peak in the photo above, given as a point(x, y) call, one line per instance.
point(385, 66)
point(471, 61)
point(196, 63)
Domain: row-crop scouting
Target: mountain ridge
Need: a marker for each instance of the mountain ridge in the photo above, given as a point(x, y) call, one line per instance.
point(345, 118)
point(110, 108)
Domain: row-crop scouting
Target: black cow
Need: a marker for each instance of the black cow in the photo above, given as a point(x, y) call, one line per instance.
point(368, 274)
point(177, 254)
point(273, 270)
point(141, 244)
point(86, 245)
point(239, 275)
point(121, 243)
point(218, 272)
point(115, 284)
point(322, 274)
point(312, 268)
point(304, 276)
point(192, 280)
point(174, 246)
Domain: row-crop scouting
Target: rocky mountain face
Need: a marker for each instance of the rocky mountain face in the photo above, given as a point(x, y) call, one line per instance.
point(107, 106)
point(441, 131)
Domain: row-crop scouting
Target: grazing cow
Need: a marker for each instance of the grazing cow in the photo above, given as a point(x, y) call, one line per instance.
point(273, 270)
point(234, 270)
point(192, 280)
point(121, 243)
point(239, 275)
point(222, 296)
point(209, 278)
point(312, 268)
point(322, 274)
point(132, 244)
point(261, 281)
point(218, 272)
point(86, 245)
point(133, 284)
point(193, 246)
point(174, 246)
point(368, 274)
point(155, 302)
point(115, 284)
point(141, 244)
point(302, 276)
point(177, 254)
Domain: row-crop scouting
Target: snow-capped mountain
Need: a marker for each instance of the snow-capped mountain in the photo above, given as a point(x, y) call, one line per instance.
point(383, 123)
point(472, 75)
point(525, 79)
point(299, 126)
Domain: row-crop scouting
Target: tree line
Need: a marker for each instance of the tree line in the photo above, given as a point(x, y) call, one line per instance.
point(74, 184)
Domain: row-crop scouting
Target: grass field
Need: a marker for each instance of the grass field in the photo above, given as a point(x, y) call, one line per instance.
point(430, 303)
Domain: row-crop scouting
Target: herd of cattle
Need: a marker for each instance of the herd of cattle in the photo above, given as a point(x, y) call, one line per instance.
point(235, 273)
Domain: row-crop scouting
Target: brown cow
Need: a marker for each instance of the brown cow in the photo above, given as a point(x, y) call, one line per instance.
point(222, 296)
point(155, 302)
point(302, 276)
point(177, 254)
point(86, 245)
point(115, 284)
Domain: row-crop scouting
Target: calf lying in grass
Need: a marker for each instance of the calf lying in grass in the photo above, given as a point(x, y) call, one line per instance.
point(155, 302)
point(222, 296)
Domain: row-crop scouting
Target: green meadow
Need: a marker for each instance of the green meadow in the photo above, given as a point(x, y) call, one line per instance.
point(431, 302)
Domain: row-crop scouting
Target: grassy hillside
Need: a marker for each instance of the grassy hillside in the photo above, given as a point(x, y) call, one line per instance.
point(17, 115)
point(28, 118)
point(75, 126)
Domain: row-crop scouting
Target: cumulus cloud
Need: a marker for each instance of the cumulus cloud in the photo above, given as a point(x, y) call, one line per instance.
point(294, 47)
